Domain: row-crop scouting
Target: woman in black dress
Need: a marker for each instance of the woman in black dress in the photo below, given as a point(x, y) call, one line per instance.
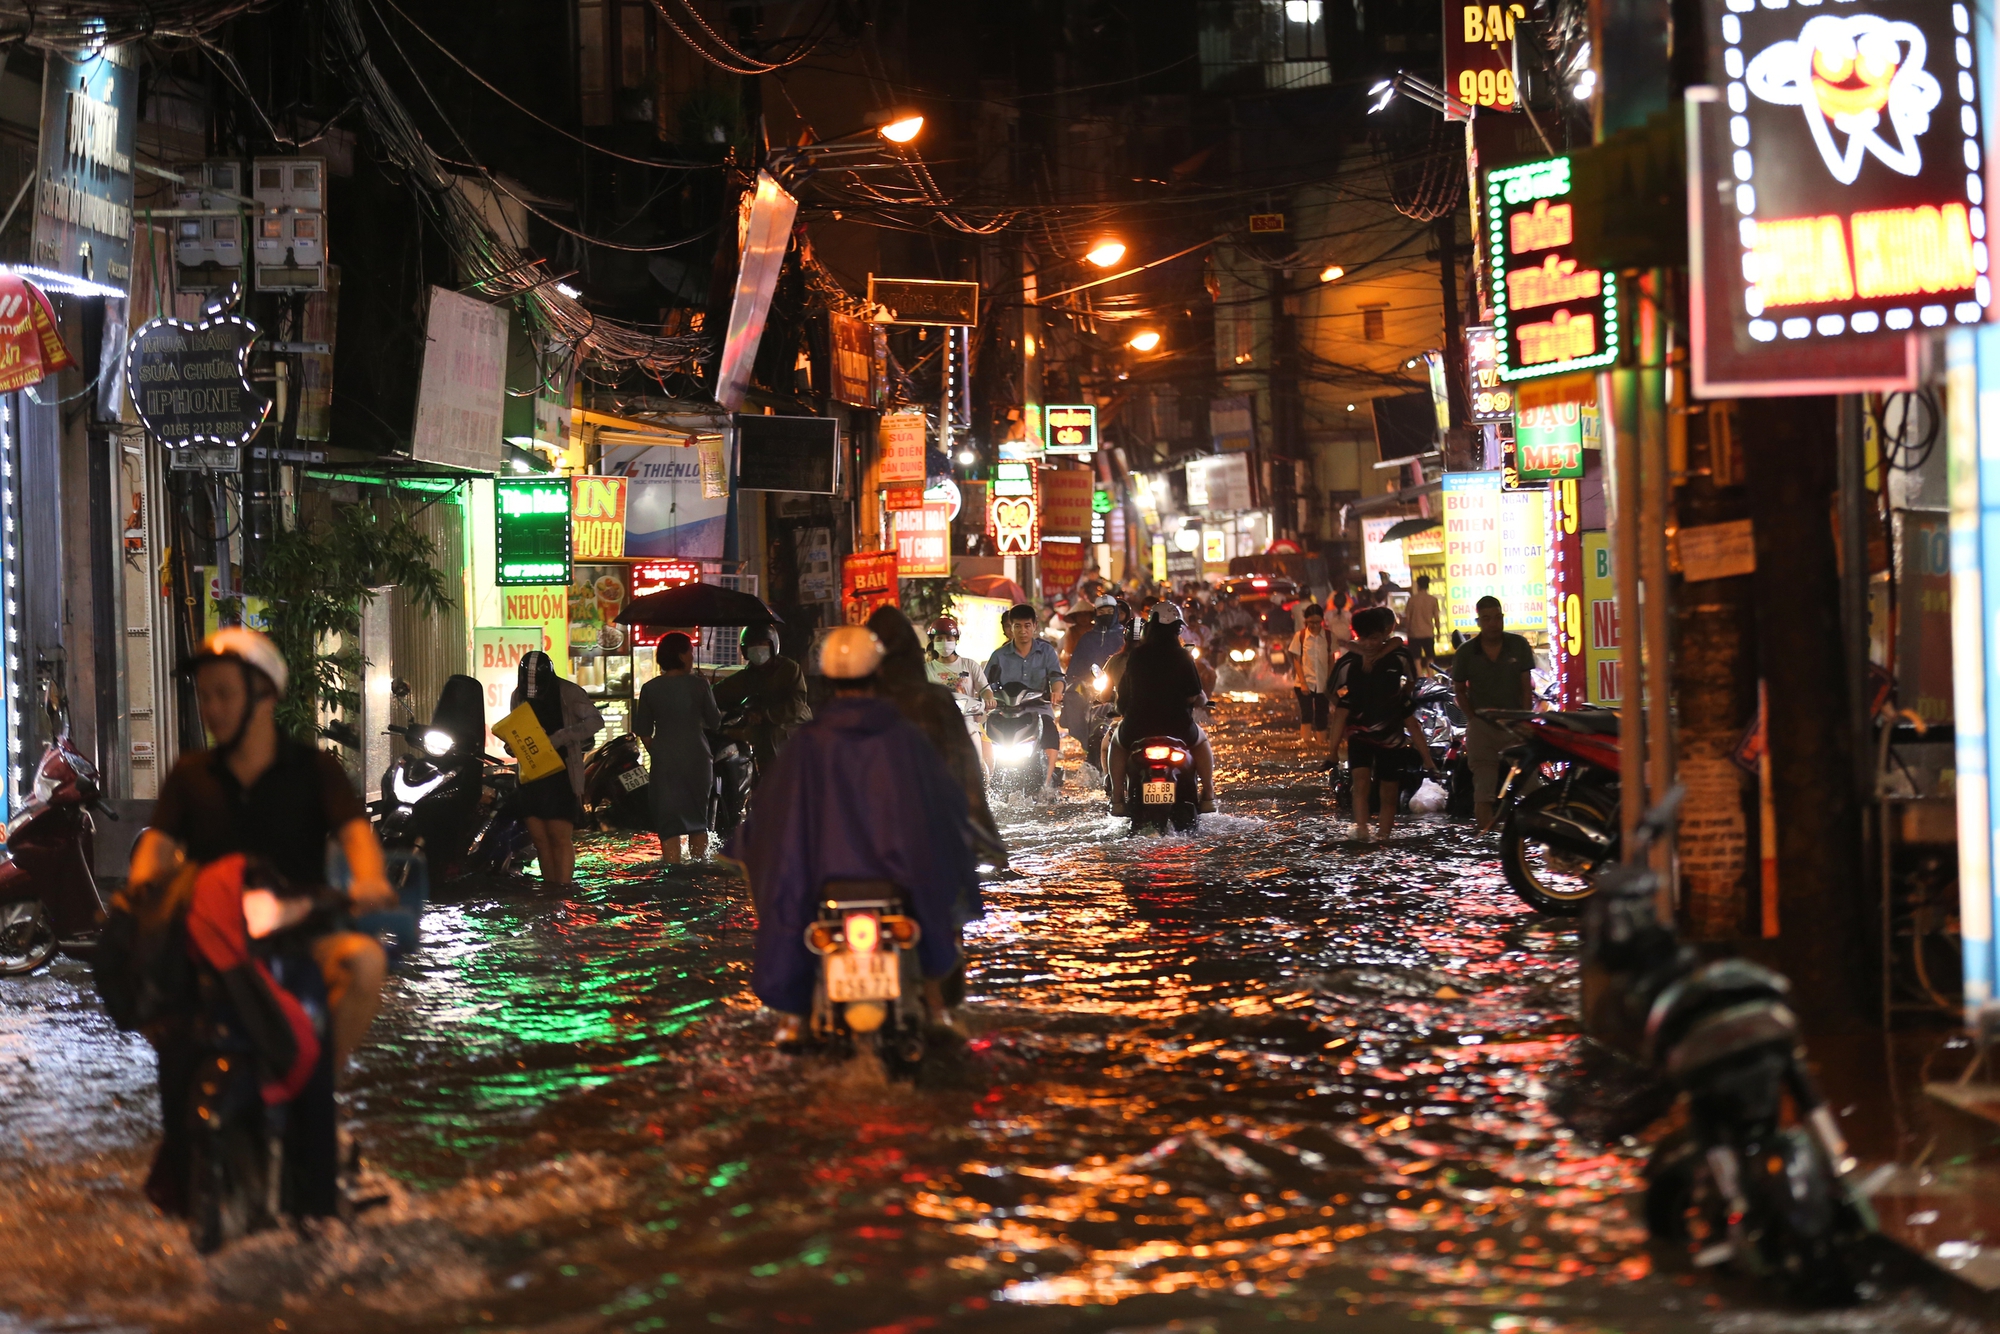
point(553, 803)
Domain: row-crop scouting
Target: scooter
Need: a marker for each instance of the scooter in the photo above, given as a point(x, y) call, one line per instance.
point(735, 767)
point(1161, 788)
point(1014, 726)
point(870, 987)
point(49, 897)
point(448, 802)
point(614, 785)
point(1741, 1183)
point(1556, 834)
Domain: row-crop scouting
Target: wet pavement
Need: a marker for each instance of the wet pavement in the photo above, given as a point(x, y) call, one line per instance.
point(1254, 1077)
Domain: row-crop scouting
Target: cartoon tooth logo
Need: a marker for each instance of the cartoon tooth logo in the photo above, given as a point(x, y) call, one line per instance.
point(1848, 75)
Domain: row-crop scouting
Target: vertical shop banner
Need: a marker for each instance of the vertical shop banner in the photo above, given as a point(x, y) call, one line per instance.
point(1068, 499)
point(1381, 556)
point(1062, 562)
point(923, 542)
point(1014, 514)
point(1492, 398)
point(1972, 396)
point(496, 665)
point(83, 170)
point(1524, 561)
point(1567, 624)
point(1552, 312)
point(902, 439)
point(597, 518)
point(546, 608)
point(1479, 52)
point(1472, 522)
point(813, 549)
point(1603, 671)
point(852, 379)
point(764, 233)
point(1923, 614)
point(868, 580)
point(462, 391)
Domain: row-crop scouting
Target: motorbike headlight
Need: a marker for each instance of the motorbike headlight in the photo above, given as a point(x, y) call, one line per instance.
point(408, 793)
point(1010, 751)
point(437, 742)
point(1099, 681)
point(1241, 655)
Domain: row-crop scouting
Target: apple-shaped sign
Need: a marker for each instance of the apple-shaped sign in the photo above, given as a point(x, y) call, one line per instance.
point(190, 383)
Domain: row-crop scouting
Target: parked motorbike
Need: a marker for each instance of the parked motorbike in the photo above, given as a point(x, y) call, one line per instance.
point(1742, 1182)
point(735, 764)
point(614, 785)
point(49, 898)
point(1161, 788)
point(1443, 724)
point(450, 801)
point(870, 987)
point(1558, 805)
point(1014, 727)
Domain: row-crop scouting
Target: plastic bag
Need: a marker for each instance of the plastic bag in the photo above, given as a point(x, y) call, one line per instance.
point(1430, 799)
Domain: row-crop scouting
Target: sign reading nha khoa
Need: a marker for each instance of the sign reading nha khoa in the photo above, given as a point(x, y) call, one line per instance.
point(1552, 312)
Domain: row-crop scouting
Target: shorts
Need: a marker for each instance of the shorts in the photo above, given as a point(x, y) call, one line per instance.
point(1312, 708)
point(1389, 764)
point(1051, 737)
point(1425, 649)
point(1128, 738)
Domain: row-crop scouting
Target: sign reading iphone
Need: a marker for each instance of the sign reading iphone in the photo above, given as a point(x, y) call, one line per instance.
point(1854, 166)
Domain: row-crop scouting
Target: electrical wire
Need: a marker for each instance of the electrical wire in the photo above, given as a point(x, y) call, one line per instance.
point(746, 64)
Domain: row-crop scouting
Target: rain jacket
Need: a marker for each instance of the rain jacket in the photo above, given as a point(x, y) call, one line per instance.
point(858, 794)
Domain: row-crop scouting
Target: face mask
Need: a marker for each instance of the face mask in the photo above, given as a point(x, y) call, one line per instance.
point(758, 656)
point(947, 648)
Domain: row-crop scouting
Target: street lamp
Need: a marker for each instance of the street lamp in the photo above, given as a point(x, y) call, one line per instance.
point(1332, 273)
point(906, 126)
point(1106, 252)
point(1145, 340)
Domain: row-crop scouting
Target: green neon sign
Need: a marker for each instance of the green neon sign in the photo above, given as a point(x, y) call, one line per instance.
point(531, 530)
point(1553, 312)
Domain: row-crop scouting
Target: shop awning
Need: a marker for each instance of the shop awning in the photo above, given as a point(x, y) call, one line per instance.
point(1397, 532)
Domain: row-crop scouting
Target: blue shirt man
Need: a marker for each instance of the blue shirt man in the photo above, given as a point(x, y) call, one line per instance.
point(1095, 647)
point(1028, 659)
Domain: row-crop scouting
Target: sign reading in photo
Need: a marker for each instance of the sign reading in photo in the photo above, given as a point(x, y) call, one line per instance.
point(1552, 312)
point(1855, 167)
point(190, 383)
point(531, 530)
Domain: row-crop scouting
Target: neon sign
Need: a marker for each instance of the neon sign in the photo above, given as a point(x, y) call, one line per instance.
point(1552, 313)
point(1014, 514)
point(531, 523)
point(1854, 168)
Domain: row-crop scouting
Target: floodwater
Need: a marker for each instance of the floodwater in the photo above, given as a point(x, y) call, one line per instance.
point(1255, 1077)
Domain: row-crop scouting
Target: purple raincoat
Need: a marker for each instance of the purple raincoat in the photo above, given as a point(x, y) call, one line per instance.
point(857, 794)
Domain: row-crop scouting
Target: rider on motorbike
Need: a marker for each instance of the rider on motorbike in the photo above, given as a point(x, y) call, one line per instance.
point(1029, 660)
point(859, 794)
point(1157, 695)
point(260, 793)
point(964, 678)
point(1104, 638)
point(772, 692)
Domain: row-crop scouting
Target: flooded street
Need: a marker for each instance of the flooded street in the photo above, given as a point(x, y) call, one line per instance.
point(1253, 1077)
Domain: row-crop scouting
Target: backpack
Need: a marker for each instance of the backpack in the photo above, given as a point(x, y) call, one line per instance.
point(141, 963)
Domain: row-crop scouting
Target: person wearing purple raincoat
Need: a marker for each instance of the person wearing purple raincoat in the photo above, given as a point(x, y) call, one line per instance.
point(857, 794)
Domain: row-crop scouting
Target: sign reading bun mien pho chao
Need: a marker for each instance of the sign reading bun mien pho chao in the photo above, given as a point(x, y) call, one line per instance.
point(1855, 166)
point(1552, 312)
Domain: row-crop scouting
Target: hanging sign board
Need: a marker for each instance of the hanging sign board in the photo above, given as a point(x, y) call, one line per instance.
point(1061, 565)
point(531, 530)
point(1853, 168)
point(1071, 430)
point(1067, 502)
point(902, 437)
point(597, 517)
point(1492, 398)
point(1014, 513)
point(923, 542)
point(867, 581)
point(462, 392)
point(1555, 421)
point(190, 383)
point(1479, 53)
point(922, 301)
point(903, 496)
point(83, 172)
point(852, 378)
point(1552, 312)
point(787, 453)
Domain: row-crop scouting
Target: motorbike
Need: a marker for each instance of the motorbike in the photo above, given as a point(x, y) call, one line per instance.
point(1014, 727)
point(1742, 1182)
point(1443, 724)
point(1235, 669)
point(735, 765)
point(49, 898)
point(1161, 788)
point(614, 785)
point(1557, 807)
point(870, 988)
point(450, 801)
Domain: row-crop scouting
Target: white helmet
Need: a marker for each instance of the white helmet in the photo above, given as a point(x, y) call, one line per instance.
point(850, 653)
point(1106, 602)
point(246, 646)
point(1165, 613)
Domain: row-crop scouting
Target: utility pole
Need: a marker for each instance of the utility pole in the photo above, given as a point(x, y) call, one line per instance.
point(1454, 326)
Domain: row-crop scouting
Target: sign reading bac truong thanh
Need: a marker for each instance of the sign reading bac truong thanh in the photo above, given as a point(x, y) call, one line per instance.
point(1553, 312)
point(1854, 167)
point(83, 185)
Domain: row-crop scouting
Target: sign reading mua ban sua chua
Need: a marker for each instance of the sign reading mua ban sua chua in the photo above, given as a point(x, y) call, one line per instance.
point(1854, 168)
point(190, 383)
point(1553, 312)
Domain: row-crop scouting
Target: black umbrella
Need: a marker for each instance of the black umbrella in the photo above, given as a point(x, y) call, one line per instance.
point(698, 604)
point(1408, 528)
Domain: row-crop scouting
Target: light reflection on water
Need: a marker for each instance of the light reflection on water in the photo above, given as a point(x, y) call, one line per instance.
point(1217, 1081)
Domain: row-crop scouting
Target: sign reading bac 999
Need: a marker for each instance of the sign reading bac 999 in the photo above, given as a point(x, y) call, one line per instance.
point(1479, 52)
point(1854, 166)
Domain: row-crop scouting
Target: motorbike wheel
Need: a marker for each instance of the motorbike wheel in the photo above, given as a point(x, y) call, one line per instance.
point(1670, 1174)
point(1549, 881)
point(27, 940)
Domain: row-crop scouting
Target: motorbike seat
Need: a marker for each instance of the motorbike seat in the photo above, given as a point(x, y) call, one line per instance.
point(1593, 722)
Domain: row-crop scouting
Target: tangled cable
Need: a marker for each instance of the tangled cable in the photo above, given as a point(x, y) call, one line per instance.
point(85, 29)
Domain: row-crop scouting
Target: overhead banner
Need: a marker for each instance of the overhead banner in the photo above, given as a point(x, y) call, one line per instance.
point(1552, 312)
point(597, 517)
point(902, 438)
point(764, 232)
point(1479, 53)
point(1853, 168)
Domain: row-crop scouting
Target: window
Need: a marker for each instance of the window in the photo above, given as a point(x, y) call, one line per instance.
point(1372, 323)
point(1271, 44)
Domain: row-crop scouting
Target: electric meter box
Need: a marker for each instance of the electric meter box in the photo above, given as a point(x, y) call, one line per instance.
point(289, 183)
point(290, 251)
point(208, 250)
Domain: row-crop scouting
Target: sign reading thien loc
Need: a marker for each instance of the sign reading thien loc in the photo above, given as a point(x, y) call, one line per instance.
point(531, 530)
point(1552, 313)
point(1854, 167)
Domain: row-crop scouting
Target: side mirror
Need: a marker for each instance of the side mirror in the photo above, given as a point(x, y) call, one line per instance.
point(399, 688)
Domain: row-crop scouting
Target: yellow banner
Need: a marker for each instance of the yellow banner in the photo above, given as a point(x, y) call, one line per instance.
point(521, 732)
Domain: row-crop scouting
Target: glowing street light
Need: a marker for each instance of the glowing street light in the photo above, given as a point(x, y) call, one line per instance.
point(906, 126)
point(1145, 340)
point(1106, 253)
point(1332, 273)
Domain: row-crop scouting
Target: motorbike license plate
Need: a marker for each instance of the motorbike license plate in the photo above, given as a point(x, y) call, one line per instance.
point(632, 779)
point(858, 977)
point(1158, 794)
